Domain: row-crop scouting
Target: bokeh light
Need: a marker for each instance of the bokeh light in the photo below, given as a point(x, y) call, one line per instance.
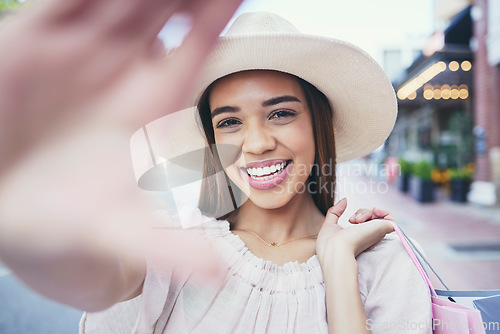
point(466, 65)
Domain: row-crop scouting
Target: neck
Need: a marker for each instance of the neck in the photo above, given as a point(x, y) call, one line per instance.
point(299, 217)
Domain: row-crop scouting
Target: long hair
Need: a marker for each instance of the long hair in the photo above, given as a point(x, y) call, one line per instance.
point(219, 195)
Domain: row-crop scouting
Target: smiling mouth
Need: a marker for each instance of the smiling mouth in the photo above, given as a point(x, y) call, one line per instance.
point(268, 172)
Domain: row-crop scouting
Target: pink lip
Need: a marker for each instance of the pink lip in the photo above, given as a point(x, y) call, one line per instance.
point(264, 163)
point(267, 184)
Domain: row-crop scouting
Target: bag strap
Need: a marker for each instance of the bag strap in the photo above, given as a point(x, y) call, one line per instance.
point(413, 257)
point(421, 256)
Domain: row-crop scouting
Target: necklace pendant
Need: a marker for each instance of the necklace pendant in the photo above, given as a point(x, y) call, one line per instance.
point(274, 244)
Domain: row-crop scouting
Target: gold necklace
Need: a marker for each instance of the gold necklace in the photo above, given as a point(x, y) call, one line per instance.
point(275, 244)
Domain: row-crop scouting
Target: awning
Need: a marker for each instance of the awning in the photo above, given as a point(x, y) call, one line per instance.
point(443, 72)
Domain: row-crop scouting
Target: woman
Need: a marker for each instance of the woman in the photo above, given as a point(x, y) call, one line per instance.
point(270, 197)
point(251, 294)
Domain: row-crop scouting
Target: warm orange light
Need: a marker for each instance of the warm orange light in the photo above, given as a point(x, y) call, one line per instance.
point(421, 79)
point(441, 66)
point(454, 94)
point(437, 94)
point(466, 65)
point(453, 66)
point(428, 94)
point(463, 87)
point(412, 96)
point(464, 94)
point(446, 94)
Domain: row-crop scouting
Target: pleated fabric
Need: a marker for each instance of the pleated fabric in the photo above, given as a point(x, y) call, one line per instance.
point(258, 296)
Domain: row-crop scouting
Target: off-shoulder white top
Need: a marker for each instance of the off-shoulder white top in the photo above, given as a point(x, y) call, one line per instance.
point(258, 296)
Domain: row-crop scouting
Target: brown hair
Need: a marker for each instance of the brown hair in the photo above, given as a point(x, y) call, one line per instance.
point(219, 195)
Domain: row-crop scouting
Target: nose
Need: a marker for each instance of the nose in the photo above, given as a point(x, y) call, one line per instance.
point(258, 140)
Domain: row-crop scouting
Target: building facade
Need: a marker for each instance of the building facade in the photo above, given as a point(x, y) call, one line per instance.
point(449, 98)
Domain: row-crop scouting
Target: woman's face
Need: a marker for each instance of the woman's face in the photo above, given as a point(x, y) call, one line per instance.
point(265, 114)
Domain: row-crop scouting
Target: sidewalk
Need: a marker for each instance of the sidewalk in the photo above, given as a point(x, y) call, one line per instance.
point(437, 227)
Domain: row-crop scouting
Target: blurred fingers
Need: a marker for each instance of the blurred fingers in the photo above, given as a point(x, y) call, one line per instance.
point(175, 76)
point(112, 18)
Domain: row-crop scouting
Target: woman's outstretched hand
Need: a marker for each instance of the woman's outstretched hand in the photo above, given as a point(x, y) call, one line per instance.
point(95, 66)
point(77, 78)
point(352, 240)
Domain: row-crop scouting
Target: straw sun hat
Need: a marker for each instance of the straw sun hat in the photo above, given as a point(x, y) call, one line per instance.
point(362, 97)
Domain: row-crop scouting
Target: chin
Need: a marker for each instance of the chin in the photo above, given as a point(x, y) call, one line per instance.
point(264, 203)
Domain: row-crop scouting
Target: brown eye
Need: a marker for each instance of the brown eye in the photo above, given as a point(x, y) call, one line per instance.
point(282, 114)
point(227, 123)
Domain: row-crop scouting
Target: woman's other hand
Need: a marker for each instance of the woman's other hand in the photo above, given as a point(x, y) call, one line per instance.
point(334, 240)
point(363, 215)
point(337, 249)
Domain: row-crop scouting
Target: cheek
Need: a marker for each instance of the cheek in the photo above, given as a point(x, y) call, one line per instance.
point(301, 141)
point(228, 148)
point(228, 151)
point(303, 146)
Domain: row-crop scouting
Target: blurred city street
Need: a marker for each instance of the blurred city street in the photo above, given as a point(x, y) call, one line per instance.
point(461, 240)
point(25, 312)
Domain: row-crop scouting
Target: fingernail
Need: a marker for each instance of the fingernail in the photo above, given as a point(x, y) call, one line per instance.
point(343, 199)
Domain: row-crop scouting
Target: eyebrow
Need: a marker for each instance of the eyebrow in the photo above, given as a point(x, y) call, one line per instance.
point(222, 110)
point(280, 99)
point(271, 102)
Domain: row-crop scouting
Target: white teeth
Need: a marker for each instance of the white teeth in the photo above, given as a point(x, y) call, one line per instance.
point(257, 173)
